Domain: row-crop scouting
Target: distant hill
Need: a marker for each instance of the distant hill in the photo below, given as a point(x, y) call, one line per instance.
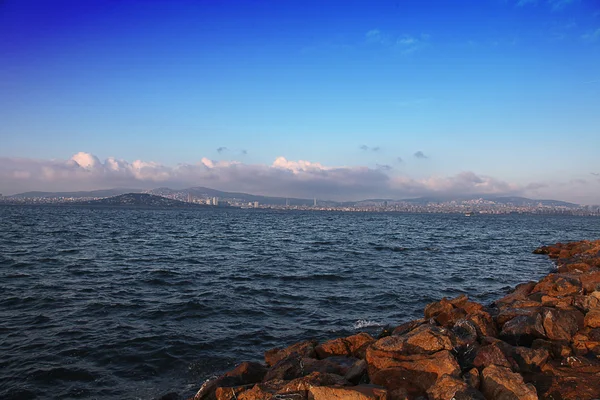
point(139, 200)
point(204, 192)
point(507, 200)
point(200, 192)
point(75, 195)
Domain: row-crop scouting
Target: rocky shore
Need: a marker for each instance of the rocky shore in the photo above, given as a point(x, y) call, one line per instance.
point(542, 340)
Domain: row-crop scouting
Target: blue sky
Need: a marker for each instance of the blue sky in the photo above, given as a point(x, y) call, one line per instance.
point(506, 92)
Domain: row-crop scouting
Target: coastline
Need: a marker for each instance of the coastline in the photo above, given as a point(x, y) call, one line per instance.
point(542, 340)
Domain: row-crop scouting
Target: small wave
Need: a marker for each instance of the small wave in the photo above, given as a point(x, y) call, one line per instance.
point(391, 248)
point(364, 323)
point(315, 277)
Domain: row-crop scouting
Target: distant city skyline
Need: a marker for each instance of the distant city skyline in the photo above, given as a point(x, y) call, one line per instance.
point(335, 100)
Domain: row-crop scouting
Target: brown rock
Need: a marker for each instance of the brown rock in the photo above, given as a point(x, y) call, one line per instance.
point(573, 381)
point(427, 339)
point(561, 324)
point(472, 378)
point(244, 374)
point(590, 281)
point(523, 330)
point(408, 326)
point(231, 393)
point(332, 365)
point(421, 370)
point(592, 319)
point(530, 360)
point(304, 383)
point(433, 309)
point(520, 293)
point(357, 372)
point(361, 392)
point(558, 285)
point(334, 347)
point(446, 387)
point(258, 392)
point(448, 319)
point(484, 323)
point(575, 267)
point(555, 348)
point(509, 313)
point(490, 355)
point(303, 349)
point(358, 344)
point(464, 333)
point(500, 383)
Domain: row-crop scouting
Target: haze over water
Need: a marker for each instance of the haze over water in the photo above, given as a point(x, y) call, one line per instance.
point(110, 303)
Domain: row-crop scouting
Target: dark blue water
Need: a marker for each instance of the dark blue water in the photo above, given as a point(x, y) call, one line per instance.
point(109, 303)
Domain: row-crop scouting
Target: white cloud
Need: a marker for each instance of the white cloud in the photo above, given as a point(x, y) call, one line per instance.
point(592, 36)
point(294, 178)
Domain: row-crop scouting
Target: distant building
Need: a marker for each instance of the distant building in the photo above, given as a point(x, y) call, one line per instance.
point(215, 201)
point(256, 204)
point(315, 203)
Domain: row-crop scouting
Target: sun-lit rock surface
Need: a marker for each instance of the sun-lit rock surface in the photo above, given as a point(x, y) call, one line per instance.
point(542, 340)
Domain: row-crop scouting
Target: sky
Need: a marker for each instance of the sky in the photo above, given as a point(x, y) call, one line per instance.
point(340, 100)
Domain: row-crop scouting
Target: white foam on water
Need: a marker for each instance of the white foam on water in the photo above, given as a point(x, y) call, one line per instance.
point(363, 323)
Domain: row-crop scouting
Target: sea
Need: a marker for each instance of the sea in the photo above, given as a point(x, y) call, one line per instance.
point(109, 303)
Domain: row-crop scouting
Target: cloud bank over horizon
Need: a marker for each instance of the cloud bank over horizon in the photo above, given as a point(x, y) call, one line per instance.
point(85, 171)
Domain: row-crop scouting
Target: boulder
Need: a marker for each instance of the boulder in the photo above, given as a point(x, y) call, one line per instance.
point(500, 383)
point(559, 285)
point(407, 327)
point(520, 292)
point(484, 323)
point(509, 313)
point(304, 383)
point(590, 281)
point(561, 324)
point(357, 373)
point(446, 387)
point(334, 347)
point(530, 360)
point(420, 370)
point(358, 344)
point(490, 355)
point(448, 319)
point(438, 307)
point(303, 349)
point(361, 392)
point(472, 378)
point(557, 349)
point(244, 374)
point(592, 319)
point(231, 393)
point(523, 330)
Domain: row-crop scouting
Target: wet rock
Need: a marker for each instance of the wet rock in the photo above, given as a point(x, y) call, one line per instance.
point(523, 330)
point(501, 383)
point(575, 267)
point(303, 349)
point(361, 392)
point(561, 324)
point(243, 374)
point(587, 341)
point(286, 369)
point(568, 382)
